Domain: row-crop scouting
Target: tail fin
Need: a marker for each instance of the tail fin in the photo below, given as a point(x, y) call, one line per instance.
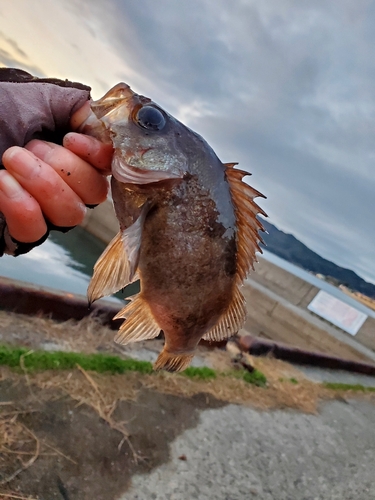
point(172, 362)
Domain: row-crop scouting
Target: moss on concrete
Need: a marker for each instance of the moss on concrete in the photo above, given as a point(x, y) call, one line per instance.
point(21, 358)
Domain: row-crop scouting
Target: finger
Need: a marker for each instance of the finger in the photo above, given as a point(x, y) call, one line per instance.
point(80, 116)
point(59, 203)
point(22, 212)
point(91, 150)
point(89, 184)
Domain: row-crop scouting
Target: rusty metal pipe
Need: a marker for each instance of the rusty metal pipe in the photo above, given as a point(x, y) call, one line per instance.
point(25, 298)
point(261, 347)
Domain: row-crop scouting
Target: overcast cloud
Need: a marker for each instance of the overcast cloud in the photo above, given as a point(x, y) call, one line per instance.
point(285, 87)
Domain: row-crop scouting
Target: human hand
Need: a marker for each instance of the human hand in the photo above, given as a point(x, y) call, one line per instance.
point(45, 184)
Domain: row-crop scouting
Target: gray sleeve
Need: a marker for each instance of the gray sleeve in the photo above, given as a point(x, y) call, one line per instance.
point(33, 108)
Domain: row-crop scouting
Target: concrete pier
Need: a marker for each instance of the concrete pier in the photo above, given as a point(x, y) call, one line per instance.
point(101, 222)
point(277, 303)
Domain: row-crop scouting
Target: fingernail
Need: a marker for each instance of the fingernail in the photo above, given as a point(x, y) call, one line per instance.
point(21, 162)
point(34, 142)
point(69, 136)
point(41, 149)
point(9, 186)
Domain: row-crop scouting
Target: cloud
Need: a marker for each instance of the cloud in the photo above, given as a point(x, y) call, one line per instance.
point(295, 102)
point(285, 87)
point(12, 56)
point(16, 49)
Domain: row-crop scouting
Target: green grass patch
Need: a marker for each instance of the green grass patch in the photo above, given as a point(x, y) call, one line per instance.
point(18, 357)
point(337, 386)
point(255, 377)
point(43, 360)
point(292, 380)
point(203, 373)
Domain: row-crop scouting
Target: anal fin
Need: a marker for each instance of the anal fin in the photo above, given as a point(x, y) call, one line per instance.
point(117, 265)
point(172, 362)
point(140, 323)
point(231, 321)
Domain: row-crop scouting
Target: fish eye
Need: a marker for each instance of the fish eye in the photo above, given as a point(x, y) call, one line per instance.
point(150, 118)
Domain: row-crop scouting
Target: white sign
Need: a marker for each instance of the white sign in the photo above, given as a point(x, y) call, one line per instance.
point(337, 312)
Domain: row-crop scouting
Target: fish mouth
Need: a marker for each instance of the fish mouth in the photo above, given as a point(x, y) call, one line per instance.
point(119, 102)
point(128, 174)
point(143, 165)
point(120, 94)
point(131, 167)
point(116, 104)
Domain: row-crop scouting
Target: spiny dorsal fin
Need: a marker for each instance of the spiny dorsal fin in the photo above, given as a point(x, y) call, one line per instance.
point(248, 225)
point(140, 323)
point(172, 362)
point(231, 321)
point(117, 265)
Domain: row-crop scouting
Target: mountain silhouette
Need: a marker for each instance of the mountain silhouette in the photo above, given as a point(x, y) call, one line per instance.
point(289, 248)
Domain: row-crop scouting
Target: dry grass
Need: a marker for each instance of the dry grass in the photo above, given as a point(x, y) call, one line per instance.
point(102, 392)
point(20, 447)
point(86, 335)
point(4, 495)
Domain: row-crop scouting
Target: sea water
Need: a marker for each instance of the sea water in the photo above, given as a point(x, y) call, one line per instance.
point(63, 262)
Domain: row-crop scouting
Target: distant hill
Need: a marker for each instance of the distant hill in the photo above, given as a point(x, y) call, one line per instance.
point(289, 248)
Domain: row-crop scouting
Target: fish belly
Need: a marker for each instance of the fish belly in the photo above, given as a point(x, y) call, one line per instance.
point(187, 268)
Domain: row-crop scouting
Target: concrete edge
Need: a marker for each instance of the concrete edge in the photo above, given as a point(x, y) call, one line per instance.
point(307, 316)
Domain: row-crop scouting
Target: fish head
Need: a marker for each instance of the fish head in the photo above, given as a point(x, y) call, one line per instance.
point(146, 139)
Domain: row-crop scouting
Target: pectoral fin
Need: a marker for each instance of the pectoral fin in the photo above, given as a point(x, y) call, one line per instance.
point(117, 265)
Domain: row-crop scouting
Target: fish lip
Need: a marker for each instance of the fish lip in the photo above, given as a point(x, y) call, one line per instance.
point(128, 174)
point(123, 170)
point(120, 94)
point(121, 100)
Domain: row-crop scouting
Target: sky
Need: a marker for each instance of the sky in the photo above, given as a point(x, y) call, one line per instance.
point(284, 87)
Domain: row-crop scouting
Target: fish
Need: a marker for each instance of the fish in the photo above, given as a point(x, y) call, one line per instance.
point(188, 229)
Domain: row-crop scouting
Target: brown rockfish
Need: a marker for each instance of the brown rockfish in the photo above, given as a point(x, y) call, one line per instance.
point(188, 229)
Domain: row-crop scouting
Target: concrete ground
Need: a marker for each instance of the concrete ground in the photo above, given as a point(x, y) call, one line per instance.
point(317, 374)
point(194, 447)
point(236, 452)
